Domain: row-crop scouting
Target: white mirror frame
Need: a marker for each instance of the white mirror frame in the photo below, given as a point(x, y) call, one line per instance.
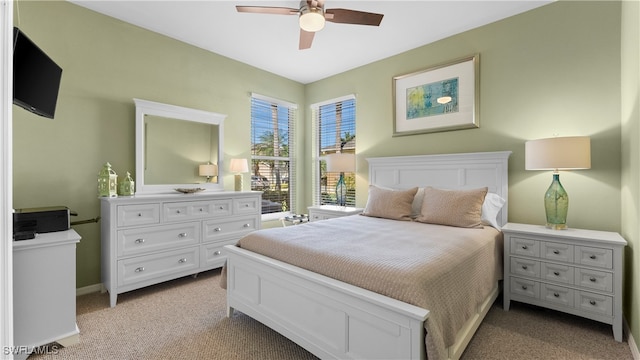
point(145, 107)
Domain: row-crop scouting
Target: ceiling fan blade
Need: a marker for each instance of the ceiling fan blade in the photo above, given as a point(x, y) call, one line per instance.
point(346, 16)
point(306, 38)
point(267, 10)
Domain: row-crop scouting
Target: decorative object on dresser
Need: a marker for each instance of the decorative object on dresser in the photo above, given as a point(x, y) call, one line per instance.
point(154, 238)
point(574, 271)
point(127, 186)
point(238, 166)
point(44, 291)
point(342, 163)
point(323, 212)
point(558, 153)
point(208, 170)
point(107, 182)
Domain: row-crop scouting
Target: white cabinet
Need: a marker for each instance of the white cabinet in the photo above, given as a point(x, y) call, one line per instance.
point(574, 271)
point(154, 238)
point(44, 291)
point(323, 212)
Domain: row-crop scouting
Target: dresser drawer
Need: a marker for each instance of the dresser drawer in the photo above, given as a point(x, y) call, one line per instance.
point(163, 237)
point(525, 287)
point(557, 295)
point(558, 273)
point(557, 251)
point(597, 257)
point(217, 230)
point(213, 254)
point(525, 246)
point(595, 280)
point(193, 210)
point(142, 268)
point(525, 267)
point(594, 303)
point(244, 206)
point(141, 214)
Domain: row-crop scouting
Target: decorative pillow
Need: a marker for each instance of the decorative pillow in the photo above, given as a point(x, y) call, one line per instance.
point(389, 204)
point(416, 205)
point(461, 208)
point(490, 209)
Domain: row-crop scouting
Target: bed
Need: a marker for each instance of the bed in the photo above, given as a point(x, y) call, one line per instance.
point(334, 312)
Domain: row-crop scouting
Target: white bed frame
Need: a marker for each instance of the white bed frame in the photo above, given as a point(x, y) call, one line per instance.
point(332, 319)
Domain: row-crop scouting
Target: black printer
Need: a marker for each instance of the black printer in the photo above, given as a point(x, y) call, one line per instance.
point(28, 222)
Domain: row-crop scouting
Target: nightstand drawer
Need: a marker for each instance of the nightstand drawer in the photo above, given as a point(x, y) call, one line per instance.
point(593, 279)
point(525, 287)
point(525, 247)
point(558, 273)
point(594, 257)
point(595, 303)
point(558, 295)
point(525, 267)
point(557, 251)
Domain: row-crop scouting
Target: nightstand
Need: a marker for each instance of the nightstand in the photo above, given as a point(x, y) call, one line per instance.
point(574, 271)
point(323, 212)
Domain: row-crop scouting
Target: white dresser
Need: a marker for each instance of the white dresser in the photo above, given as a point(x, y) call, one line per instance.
point(44, 291)
point(147, 239)
point(574, 271)
point(323, 212)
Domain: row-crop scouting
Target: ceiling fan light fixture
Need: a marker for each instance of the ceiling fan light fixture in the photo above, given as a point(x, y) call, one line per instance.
point(311, 19)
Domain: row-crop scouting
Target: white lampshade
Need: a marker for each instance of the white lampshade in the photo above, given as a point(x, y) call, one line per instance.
point(341, 162)
point(558, 153)
point(239, 166)
point(208, 170)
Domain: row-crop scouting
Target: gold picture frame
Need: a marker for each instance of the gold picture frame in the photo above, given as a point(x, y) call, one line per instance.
point(441, 98)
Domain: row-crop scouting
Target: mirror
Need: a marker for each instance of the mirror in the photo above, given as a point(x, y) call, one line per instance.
point(171, 144)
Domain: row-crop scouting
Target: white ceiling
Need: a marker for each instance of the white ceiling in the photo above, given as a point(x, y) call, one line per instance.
point(270, 42)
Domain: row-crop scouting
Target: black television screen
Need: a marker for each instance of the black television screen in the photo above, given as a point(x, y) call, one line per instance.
point(36, 78)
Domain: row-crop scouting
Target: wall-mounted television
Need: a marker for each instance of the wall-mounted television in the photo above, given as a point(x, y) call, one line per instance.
point(36, 78)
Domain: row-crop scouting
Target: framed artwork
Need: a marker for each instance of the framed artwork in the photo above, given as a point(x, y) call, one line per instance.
point(441, 98)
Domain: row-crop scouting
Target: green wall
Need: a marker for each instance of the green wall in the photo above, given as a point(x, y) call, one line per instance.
point(551, 71)
point(106, 63)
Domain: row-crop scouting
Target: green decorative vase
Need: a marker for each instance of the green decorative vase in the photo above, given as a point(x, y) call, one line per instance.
point(341, 191)
point(556, 205)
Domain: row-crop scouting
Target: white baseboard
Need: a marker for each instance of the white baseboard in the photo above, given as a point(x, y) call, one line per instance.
point(633, 345)
point(89, 289)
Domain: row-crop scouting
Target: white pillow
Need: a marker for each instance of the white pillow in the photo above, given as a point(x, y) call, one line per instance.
point(490, 209)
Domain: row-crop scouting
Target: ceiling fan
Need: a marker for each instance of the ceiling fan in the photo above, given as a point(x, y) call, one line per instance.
point(313, 16)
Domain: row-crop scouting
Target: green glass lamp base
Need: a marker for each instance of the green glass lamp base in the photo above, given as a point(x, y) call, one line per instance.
point(341, 191)
point(556, 205)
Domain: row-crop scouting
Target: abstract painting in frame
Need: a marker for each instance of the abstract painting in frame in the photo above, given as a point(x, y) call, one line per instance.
point(441, 98)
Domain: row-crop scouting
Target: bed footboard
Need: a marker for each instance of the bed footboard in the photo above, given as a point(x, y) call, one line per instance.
point(327, 317)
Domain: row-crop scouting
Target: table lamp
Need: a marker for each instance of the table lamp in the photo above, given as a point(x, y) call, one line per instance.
point(558, 153)
point(342, 163)
point(238, 166)
point(209, 170)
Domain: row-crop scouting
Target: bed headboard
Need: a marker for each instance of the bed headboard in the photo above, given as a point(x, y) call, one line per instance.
point(445, 171)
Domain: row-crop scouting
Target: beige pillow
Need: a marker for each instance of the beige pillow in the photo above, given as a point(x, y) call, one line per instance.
point(461, 208)
point(389, 204)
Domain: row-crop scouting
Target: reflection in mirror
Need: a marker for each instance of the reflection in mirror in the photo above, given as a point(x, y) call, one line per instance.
point(171, 144)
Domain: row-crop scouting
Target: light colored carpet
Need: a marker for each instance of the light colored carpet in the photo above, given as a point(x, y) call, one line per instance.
point(186, 319)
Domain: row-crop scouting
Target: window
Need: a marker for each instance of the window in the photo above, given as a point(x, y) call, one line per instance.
point(272, 165)
point(335, 131)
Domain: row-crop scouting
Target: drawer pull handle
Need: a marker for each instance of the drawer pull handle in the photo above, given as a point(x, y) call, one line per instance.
point(525, 247)
point(139, 241)
point(140, 269)
point(139, 214)
point(217, 253)
point(182, 235)
point(201, 210)
point(182, 261)
point(592, 279)
point(524, 287)
point(592, 302)
point(592, 257)
point(177, 211)
point(556, 294)
point(246, 205)
point(217, 229)
point(556, 252)
point(221, 208)
point(247, 225)
point(524, 267)
point(556, 273)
